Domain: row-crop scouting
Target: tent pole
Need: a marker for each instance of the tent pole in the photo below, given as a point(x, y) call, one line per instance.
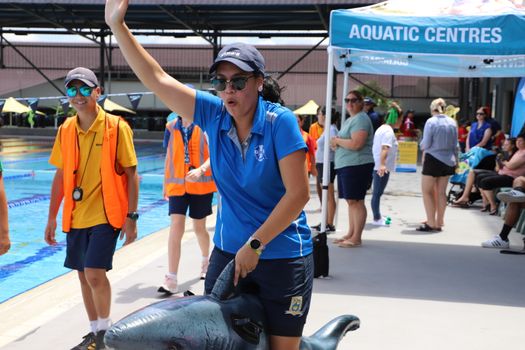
point(326, 153)
point(346, 78)
point(345, 92)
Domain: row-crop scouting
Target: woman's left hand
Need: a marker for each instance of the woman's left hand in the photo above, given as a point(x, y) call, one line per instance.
point(333, 143)
point(246, 261)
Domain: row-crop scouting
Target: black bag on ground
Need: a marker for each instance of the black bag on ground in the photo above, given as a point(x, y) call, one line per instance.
point(320, 256)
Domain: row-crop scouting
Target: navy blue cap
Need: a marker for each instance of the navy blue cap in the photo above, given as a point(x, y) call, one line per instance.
point(84, 75)
point(369, 100)
point(244, 56)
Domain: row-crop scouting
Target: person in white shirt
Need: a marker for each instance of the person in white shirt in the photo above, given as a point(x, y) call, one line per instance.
point(384, 150)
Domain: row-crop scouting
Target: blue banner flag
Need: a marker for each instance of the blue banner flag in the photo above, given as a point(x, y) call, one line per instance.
point(518, 116)
point(64, 102)
point(33, 103)
point(134, 99)
point(101, 99)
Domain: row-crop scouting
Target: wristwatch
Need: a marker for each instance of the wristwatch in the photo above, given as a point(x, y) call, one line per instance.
point(133, 215)
point(256, 244)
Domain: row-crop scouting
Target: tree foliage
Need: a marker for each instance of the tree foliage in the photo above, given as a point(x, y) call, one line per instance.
point(376, 92)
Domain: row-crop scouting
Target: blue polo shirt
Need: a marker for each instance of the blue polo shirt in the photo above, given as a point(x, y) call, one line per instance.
point(250, 184)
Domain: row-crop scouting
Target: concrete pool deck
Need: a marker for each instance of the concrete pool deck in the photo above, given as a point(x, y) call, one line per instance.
point(410, 290)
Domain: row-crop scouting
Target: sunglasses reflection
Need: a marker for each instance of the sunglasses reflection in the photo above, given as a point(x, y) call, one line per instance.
point(84, 90)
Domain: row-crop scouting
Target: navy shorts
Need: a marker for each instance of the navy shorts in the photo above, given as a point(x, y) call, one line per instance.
point(284, 288)
point(353, 181)
point(91, 247)
point(319, 167)
point(436, 168)
point(199, 204)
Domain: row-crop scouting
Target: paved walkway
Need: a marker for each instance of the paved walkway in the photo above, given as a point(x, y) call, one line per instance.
point(410, 290)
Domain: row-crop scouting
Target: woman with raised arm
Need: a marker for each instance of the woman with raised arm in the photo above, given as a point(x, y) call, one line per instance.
point(257, 155)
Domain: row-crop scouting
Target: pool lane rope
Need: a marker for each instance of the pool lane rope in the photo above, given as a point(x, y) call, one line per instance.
point(28, 200)
point(19, 176)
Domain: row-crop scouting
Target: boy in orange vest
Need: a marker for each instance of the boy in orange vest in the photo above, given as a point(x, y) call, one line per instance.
point(96, 177)
point(189, 185)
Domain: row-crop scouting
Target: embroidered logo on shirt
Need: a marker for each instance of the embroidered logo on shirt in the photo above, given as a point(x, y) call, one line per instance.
point(295, 306)
point(259, 153)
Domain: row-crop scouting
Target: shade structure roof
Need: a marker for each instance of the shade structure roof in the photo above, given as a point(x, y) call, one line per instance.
point(202, 17)
point(13, 106)
point(111, 106)
point(309, 108)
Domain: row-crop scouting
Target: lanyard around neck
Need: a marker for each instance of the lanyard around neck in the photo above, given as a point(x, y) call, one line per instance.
point(87, 158)
point(186, 133)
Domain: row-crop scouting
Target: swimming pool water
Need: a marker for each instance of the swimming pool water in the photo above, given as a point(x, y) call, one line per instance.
point(27, 179)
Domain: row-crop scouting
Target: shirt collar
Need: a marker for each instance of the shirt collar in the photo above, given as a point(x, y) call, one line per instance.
point(101, 115)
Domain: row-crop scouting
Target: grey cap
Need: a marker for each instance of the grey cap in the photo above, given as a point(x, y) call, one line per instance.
point(244, 56)
point(84, 75)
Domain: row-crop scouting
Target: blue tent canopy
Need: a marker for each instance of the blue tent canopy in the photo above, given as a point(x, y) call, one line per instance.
point(383, 40)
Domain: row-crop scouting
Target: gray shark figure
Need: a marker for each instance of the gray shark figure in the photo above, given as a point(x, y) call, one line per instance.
point(222, 320)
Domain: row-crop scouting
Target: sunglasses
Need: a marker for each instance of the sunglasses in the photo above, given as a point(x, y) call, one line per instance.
point(238, 83)
point(480, 113)
point(84, 90)
point(351, 100)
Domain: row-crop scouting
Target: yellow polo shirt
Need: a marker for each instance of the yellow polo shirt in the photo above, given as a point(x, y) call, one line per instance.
point(90, 210)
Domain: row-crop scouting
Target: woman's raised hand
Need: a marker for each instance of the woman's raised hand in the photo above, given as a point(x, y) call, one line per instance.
point(115, 12)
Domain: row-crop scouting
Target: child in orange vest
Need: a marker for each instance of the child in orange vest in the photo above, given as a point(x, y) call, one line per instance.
point(312, 147)
point(188, 185)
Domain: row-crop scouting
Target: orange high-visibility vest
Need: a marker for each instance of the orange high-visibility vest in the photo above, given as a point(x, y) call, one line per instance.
point(316, 130)
point(308, 156)
point(175, 169)
point(114, 182)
